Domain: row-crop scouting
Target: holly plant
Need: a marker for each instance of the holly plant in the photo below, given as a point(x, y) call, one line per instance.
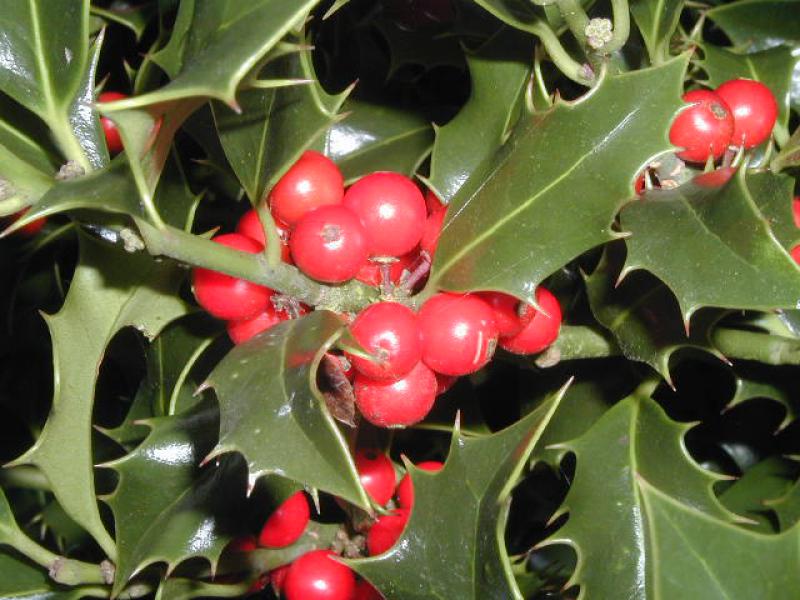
point(400, 299)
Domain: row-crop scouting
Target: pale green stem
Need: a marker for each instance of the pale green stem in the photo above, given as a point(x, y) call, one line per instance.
point(65, 571)
point(576, 19)
point(580, 73)
point(68, 143)
point(273, 249)
point(25, 477)
point(756, 346)
point(622, 26)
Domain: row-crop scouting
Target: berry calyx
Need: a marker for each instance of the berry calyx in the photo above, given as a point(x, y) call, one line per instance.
point(329, 244)
point(250, 225)
point(385, 532)
point(227, 297)
point(542, 326)
point(113, 139)
point(405, 491)
point(287, 523)
point(390, 332)
point(396, 403)
point(317, 576)
point(754, 109)
point(506, 310)
point(704, 128)
point(241, 331)
point(366, 591)
point(376, 473)
point(432, 231)
point(311, 182)
point(392, 210)
point(459, 334)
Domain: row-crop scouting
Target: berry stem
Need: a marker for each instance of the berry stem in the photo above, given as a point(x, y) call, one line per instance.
point(273, 247)
point(622, 26)
point(576, 19)
point(578, 72)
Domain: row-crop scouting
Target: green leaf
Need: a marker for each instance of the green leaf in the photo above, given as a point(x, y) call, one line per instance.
point(576, 161)
point(272, 412)
point(499, 71)
point(517, 13)
point(167, 508)
point(773, 384)
point(773, 195)
point(185, 589)
point(759, 24)
point(690, 236)
point(134, 18)
point(642, 314)
point(111, 289)
point(633, 448)
point(789, 155)
point(26, 169)
point(787, 507)
point(657, 21)
point(468, 558)
point(410, 47)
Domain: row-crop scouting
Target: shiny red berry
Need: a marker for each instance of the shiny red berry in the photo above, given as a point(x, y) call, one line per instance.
point(313, 181)
point(287, 523)
point(432, 231)
point(243, 544)
point(392, 210)
point(277, 578)
point(386, 531)
point(241, 331)
point(704, 128)
point(405, 491)
point(796, 210)
point(390, 332)
point(317, 576)
point(32, 228)
point(540, 330)
point(228, 297)
point(754, 109)
point(795, 254)
point(329, 244)
point(376, 473)
point(459, 334)
point(366, 591)
point(396, 403)
point(444, 383)
point(113, 139)
point(250, 225)
point(506, 310)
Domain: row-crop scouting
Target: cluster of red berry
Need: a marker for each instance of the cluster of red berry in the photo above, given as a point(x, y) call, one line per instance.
point(315, 575)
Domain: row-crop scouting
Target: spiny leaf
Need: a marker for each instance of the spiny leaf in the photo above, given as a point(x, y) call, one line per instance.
point(657, 21)
point(758, 24)
point(773, 384)
point(576, 161)
point(691, 236)
point(460, 553)
point(773, 195)
point(787, 507)
point(272, 413)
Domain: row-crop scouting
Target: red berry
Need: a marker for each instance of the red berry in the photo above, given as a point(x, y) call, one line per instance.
point(287, 523)
point(329, 244)
point(444, 383)
point(432, 231)
point(754, 109)
point(113, 139)
point(259, 584)
point(317, 576)
point(541, 329)
point(704, 128)
point(386, 531)
point(278, 578)
point(795, 253)
point(228, 297)
point(392, 210)
point(390, 332)
point(396, 403)
point(506, 310)
point(243, 544)
point(241, 331)
point(432, 202)
point(640, 186)
point(796, 210)
point(371, 272)
point(459, 334)
point(313, 181)
point(250, 225)
point(365, 591)
point(405, 491)
point(376, 473)
point(32, 228)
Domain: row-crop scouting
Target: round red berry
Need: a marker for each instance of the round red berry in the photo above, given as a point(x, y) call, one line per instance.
point(366, 591)
point(313, 181)
point(795, 253)
point(390, 332)
point(250, 225)
point(317, 576)
point(30, 229)
point(458, 332)
point(432, 231)
point(396, 403)
point(392, 210)
point(228, 297)
point(796, 210)
point(754, 109)
point(243, 544)
point(405, 491)
point(444, 383)
point(113, 139)
point(542, 326)
point(241, 331)
point(704, 128)
point(376, 473)
point(506, 310)
point(277, 578)
point(287, 523)
point(386, 531)
point(329, 244)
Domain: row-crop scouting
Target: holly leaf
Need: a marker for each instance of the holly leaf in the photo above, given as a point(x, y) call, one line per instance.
point(690, 236)
point(411, 47)
point(789, 156)
point(787, 507)
point(631, 453)
point(499, 71)
point(134, 18)
point(504, 214)
point(468, 559)
point(272, 412)
point(773, 193)
point(657, 21)
point(759, 24)
point(110, 290)
point(772, 384)
point(166, 507)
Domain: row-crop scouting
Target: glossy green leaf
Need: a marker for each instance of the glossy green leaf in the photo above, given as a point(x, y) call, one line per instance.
point(759, 24)
point(499, 71)
point(517, 13)
point(789, 156)
point(773, 195)
point(110, 290)
point(691, 236)
point(575, 161)
point(272, 412)
point(420, 48)
point(776, 386)
point(632, 446)
point(134, 18)
point(166, 507)
point(787, 507)
point(461, 553)
point(657, 21)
